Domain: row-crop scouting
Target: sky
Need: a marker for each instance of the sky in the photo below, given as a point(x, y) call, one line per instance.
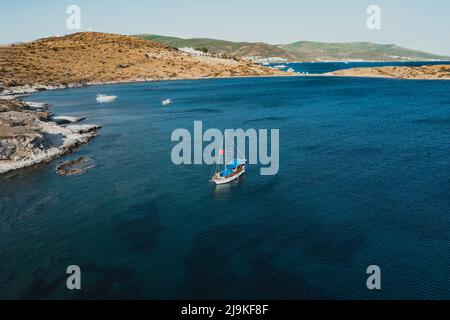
point(416, 24)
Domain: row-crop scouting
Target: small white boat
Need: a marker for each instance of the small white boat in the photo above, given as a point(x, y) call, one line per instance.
point(167, 102)
point(230, 172)
point(101, 98)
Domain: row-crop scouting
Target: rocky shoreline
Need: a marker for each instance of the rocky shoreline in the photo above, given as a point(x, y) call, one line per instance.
point(28, 131)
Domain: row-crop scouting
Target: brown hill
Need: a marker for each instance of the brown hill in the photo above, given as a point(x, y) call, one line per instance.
point(423, 72)
point(91, 57)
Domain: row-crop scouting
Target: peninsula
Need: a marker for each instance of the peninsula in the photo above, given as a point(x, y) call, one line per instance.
point(428, 72)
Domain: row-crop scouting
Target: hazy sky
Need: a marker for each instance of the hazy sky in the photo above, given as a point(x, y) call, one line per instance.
point(416, 24)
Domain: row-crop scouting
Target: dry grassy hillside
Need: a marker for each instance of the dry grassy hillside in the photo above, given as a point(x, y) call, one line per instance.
point(100, 57)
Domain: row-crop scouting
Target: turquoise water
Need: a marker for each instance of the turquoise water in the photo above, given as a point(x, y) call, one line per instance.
point(324, 67)
point(364, 179)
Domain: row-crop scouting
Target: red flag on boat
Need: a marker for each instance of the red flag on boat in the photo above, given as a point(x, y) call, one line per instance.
point(222, 152)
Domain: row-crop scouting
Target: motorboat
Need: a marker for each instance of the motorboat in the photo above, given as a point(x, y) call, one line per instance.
point(101, 98)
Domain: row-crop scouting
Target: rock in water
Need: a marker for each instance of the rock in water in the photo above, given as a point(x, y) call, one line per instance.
point(74, 167)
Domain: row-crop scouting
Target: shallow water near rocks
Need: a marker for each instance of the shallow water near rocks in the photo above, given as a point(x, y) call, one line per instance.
point(364, 179)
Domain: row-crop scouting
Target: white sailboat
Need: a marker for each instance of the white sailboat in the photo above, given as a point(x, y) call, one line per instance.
point(230, 172)
point(226, 172)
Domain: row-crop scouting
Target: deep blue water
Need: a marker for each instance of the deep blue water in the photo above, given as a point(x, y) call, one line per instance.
point(324, 67)
point(364, 179)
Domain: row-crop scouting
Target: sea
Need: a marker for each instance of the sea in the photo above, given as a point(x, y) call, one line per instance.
point(364, 180)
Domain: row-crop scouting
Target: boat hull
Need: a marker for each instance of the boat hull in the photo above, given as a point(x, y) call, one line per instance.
point(106, 99)
point(230, 179)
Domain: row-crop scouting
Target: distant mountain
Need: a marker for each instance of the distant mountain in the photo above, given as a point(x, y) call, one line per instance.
point(308, 50)
point(238, 49)
point(302, 50)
